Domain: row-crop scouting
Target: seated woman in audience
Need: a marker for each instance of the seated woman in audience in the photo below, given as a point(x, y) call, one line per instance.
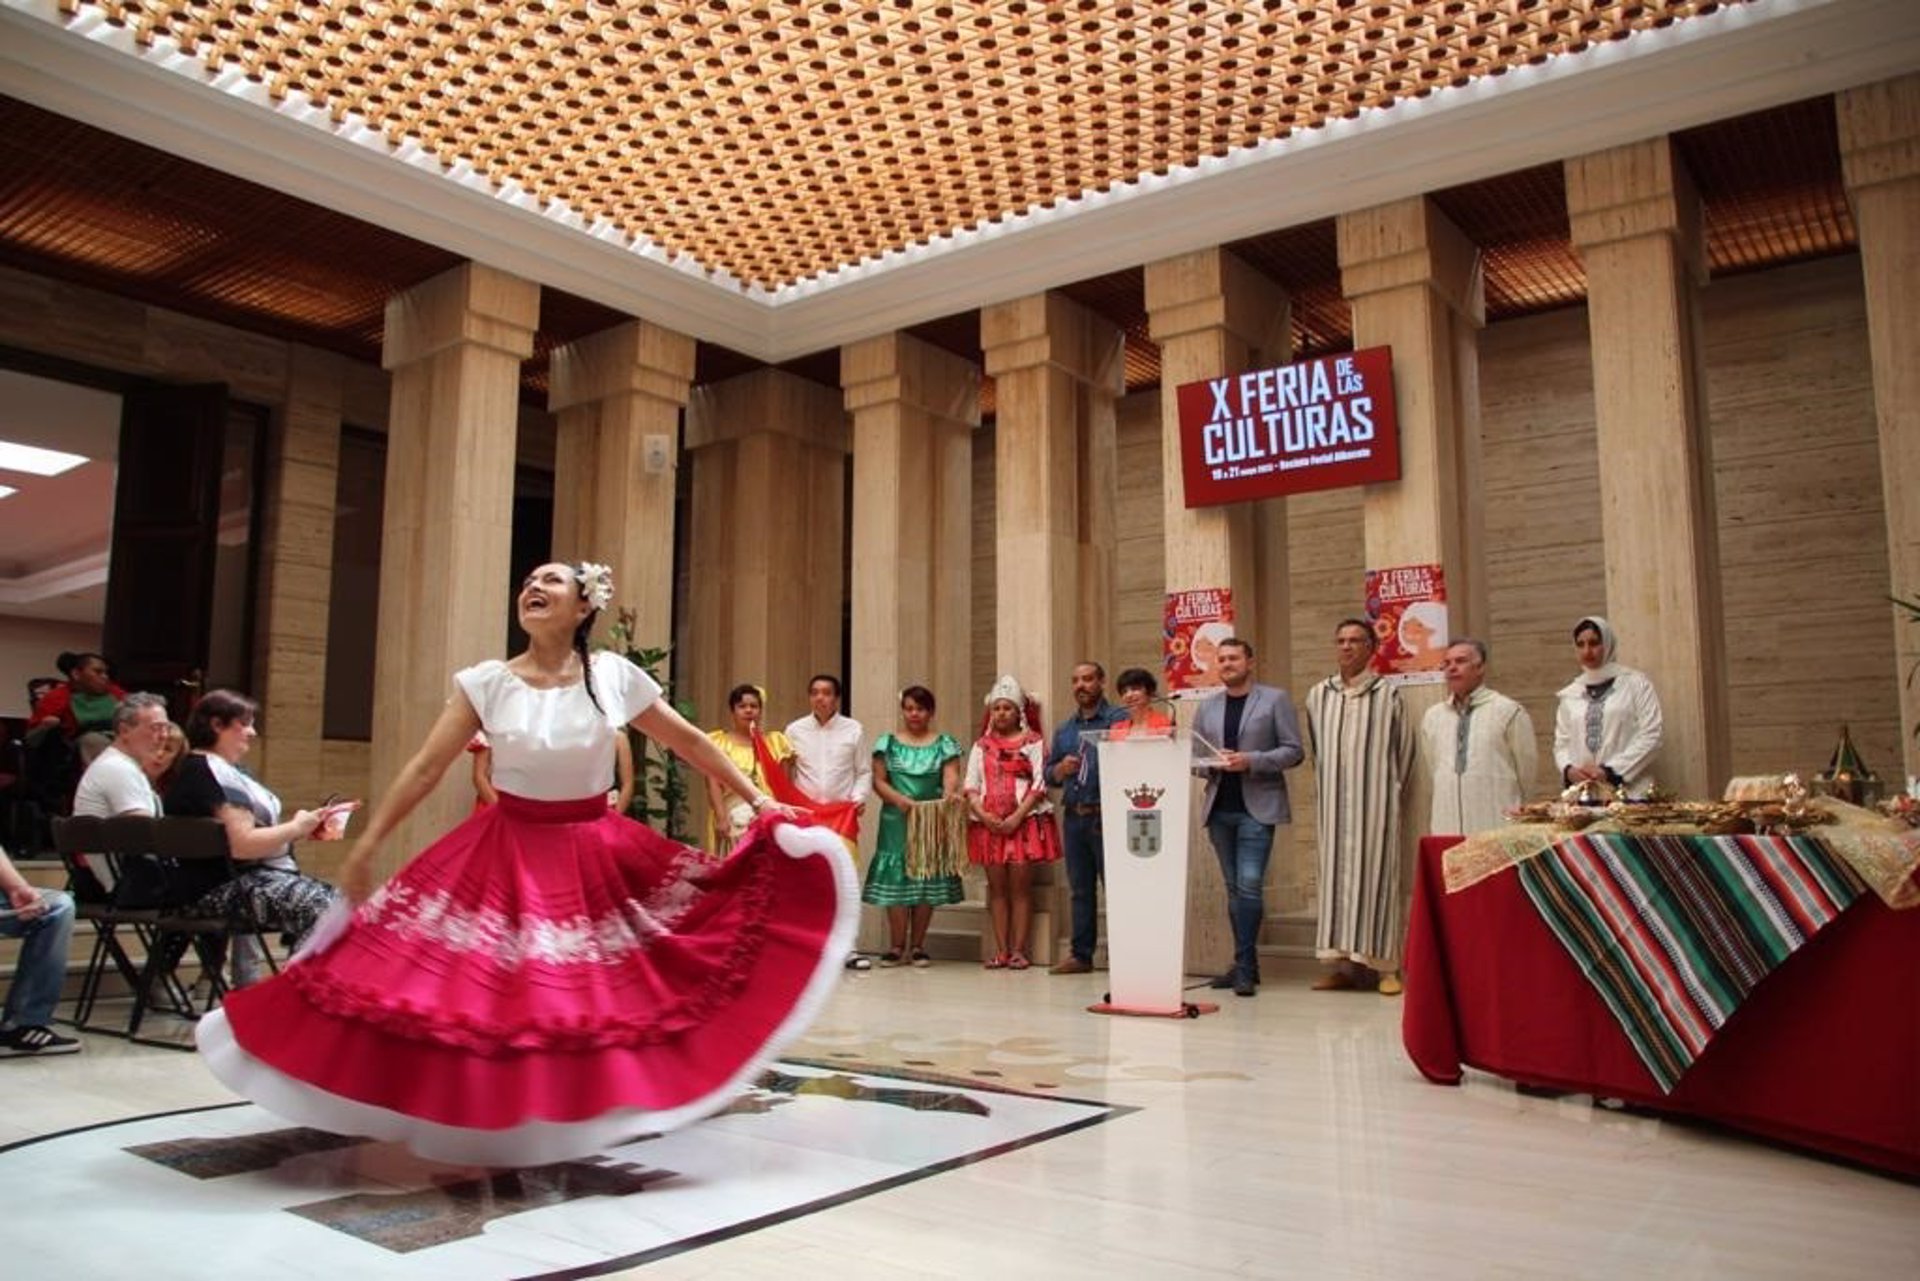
point(916, 857)
point(1137, 688)
point(727, 814)
point(71, 723)
point(82, 709)
point(1607, 727)
point(1012, 821)
point(164, 765)
point(211, 784)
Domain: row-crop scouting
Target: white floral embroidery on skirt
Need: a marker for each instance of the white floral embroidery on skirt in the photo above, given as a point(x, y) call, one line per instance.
point(580, 940)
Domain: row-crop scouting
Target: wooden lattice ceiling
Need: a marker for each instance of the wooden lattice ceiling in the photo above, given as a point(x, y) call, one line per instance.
point(778, 141)
point(85, 205)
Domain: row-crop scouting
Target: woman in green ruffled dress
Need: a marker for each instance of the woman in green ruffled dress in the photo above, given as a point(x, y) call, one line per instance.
point(922, 842)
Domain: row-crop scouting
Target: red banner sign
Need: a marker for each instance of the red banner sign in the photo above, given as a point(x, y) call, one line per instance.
point(1320, 424)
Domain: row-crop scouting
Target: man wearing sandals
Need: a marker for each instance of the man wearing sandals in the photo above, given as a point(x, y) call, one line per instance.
point(44, 919)
point(1362, 741)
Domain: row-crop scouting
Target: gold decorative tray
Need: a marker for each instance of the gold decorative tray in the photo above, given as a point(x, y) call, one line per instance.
point(1708, 818)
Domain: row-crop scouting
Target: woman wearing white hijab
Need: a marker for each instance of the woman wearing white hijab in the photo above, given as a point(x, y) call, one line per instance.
point(1608, 725)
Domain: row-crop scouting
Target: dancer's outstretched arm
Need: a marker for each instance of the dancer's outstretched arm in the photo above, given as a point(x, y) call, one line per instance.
point(445, 741)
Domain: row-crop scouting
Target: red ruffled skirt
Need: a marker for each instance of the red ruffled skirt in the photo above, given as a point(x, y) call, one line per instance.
point(546, 980)
point(1034, 841)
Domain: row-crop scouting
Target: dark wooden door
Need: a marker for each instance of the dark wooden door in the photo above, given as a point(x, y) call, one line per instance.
point(165, 525)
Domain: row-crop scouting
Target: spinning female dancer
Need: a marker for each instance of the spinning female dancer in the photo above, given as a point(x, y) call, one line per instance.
point(549, 978)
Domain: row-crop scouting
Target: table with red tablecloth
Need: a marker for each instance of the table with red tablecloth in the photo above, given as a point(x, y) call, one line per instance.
point(1825, 1053)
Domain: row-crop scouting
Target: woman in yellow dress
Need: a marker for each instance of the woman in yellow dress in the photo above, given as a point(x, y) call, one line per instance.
point(727, 814)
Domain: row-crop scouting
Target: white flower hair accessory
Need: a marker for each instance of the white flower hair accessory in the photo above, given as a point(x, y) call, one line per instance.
point(596, 583)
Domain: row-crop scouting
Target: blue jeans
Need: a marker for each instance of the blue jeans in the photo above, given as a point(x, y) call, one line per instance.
point(1243, 845)
point(42, 971)
point(1086, 867)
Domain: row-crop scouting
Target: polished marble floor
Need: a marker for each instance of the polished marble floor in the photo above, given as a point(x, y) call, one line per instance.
point(1285, 1136)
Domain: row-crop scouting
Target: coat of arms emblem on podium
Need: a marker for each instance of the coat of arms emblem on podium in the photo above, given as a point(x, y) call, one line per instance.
point(1143, 820)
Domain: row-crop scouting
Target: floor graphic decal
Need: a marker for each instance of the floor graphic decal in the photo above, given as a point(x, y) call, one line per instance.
point(212, 1191)
point(1018, 1062)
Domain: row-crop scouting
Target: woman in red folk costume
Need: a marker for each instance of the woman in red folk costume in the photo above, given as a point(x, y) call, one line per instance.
point(550, 978)
point(1011, 826)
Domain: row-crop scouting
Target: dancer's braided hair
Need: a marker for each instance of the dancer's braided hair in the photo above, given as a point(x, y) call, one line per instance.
point(580, 641)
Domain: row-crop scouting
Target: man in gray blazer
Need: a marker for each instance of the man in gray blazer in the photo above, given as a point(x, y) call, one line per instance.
point(1258, 735)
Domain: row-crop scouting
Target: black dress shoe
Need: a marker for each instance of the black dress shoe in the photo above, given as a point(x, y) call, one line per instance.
point(1230, 980)
point(1245, 986)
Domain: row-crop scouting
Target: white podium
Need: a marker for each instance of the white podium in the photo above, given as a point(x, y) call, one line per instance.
point(1145, 796)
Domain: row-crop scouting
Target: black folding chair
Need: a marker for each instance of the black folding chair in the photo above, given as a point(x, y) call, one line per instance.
point(144, 854)
point(74, 839)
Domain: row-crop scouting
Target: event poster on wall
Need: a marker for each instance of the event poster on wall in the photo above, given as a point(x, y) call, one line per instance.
point(1193, 625)
point(1408, 606)
point(1323, 423)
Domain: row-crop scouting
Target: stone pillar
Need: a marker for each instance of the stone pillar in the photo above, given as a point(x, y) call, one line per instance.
point(296, 580)
point(1414, 283)
point(1213, 315)
point(1636, 224)
point(914, 409)
point(1058, 370)
point(618, 396)
point(1880, 156)
point(454, 346)
point(767, 520)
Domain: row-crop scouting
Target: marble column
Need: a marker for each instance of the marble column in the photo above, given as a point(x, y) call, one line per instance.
point(1213, 315)
point(1414, 283)
point(1635, 218)
point(296, 580)
point(618, 395)
point(915, 408)
point(454, 346)
point(1058, 370)
point(767, 526)
point(1880, 156)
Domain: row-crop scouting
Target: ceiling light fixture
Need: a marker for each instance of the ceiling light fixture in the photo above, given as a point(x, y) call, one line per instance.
point(35, 460)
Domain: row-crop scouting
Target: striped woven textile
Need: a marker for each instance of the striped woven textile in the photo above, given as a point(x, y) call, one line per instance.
point(1675, 931)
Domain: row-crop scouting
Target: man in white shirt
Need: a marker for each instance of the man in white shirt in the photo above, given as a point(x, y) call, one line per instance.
point(117, 783)
point(832, 761)
point(1479, 745)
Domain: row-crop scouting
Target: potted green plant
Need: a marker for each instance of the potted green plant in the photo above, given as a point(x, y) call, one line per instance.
point(659, 780)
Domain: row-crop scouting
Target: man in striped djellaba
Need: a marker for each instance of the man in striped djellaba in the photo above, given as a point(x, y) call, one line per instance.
point(1362, 747)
